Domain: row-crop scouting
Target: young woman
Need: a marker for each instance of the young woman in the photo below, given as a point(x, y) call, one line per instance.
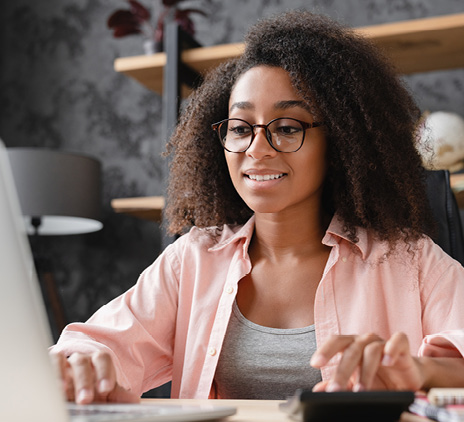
point(305, 260)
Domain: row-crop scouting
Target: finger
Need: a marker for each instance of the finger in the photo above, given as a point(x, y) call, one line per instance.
point(320, 386)
point(349, 362)
point(69, 387)
point(105, 374)
point(329, 349)
point(396, 347)
point(61, 366)
point(83, 376)
point(121, 395)
point(371, 362)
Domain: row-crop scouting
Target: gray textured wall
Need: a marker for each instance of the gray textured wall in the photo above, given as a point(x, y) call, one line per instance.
point(58, 89)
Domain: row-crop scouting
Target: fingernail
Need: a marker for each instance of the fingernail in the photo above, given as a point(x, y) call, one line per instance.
point(317, 360)
point(358, 387)
point(84, 396)
point(333, 386)
point(104, 386)
point(387, 360)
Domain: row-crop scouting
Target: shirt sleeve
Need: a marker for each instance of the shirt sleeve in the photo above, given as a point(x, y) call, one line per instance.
point(137, 328)
point(443, 304)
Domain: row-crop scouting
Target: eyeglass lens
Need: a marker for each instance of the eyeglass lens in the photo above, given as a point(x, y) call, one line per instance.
point(285, 134)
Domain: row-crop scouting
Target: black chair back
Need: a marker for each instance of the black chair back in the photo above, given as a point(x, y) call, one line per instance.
point(445, 209)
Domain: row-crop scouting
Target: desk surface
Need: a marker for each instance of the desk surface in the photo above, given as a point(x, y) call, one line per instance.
point(261, 410)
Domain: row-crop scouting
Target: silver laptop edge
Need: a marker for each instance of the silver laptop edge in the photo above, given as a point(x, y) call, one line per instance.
point(30, 389)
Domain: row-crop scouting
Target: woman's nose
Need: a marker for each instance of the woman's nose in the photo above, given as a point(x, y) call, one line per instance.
point(260, 147)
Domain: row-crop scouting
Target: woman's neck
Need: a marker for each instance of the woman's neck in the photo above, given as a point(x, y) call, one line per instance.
point(277, 235)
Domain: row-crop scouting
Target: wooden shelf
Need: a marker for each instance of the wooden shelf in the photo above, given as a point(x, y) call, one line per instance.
point(148, 70)
point(149, 208)
point(422, 45)
point(414, 46)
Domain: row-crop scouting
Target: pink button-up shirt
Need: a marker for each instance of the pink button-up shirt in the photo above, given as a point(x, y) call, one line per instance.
point(171, 324)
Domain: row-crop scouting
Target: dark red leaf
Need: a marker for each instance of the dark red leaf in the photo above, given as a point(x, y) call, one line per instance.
point(123, 30)
point(121, 17)
point(185, 23)
point(139, 10)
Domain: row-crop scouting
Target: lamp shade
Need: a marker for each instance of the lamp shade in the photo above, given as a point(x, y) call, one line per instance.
point(60, 190)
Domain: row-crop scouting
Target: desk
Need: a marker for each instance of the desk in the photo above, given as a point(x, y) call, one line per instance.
point(260, 410)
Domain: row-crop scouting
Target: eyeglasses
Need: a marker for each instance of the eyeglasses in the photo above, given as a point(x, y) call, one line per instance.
point(283, 134)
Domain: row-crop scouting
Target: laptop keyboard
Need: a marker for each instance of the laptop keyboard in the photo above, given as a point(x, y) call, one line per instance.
point(102, 409)
point(116, 412)
point(147, 412)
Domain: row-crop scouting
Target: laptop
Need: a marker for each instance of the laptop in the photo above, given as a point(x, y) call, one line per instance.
point(30, 389)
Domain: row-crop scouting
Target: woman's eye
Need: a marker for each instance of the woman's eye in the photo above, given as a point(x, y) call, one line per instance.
point(240, 130)
point(288, 130)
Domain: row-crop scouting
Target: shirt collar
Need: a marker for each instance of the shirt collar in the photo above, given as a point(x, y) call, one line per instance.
point(335, 233)
point(231, 234)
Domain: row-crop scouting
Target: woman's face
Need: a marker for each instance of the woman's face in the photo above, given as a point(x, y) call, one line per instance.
point(267, 180)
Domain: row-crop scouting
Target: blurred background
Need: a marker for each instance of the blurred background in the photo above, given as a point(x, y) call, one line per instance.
point(59, 90)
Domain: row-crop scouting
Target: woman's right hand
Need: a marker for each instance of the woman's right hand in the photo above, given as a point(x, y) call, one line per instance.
point(91, 378)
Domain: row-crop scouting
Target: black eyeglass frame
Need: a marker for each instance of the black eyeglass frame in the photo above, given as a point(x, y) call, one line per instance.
point(305, 125)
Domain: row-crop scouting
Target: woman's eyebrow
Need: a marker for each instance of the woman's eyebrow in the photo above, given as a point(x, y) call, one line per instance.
point(280, 105)
point(283, 105)
point(242, 105)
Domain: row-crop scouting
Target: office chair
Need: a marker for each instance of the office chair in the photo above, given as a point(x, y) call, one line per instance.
point(449, 235)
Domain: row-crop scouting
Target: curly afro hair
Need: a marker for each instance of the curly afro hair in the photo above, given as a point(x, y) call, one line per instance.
point(375, 177)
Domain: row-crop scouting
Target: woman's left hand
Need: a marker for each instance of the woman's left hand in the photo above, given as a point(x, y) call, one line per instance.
point(369, 363)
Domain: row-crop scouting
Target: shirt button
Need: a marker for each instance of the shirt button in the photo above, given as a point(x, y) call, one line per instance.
point(344, 259)
point(230, 290)
point(211, 351)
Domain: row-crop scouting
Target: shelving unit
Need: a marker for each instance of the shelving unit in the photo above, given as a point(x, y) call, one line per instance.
point(414, 46)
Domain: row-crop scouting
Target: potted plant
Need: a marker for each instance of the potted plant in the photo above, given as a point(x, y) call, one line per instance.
point(138, 20)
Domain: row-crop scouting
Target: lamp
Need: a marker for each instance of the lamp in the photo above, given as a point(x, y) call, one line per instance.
point(59, 194)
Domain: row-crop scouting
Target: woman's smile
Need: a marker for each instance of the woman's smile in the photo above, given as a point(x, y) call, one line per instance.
point(264, 177)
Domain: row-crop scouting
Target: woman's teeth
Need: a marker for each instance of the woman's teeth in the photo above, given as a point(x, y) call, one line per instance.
point(264, 177)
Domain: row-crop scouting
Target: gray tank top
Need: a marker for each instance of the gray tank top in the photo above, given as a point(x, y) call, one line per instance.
point(259, 362)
